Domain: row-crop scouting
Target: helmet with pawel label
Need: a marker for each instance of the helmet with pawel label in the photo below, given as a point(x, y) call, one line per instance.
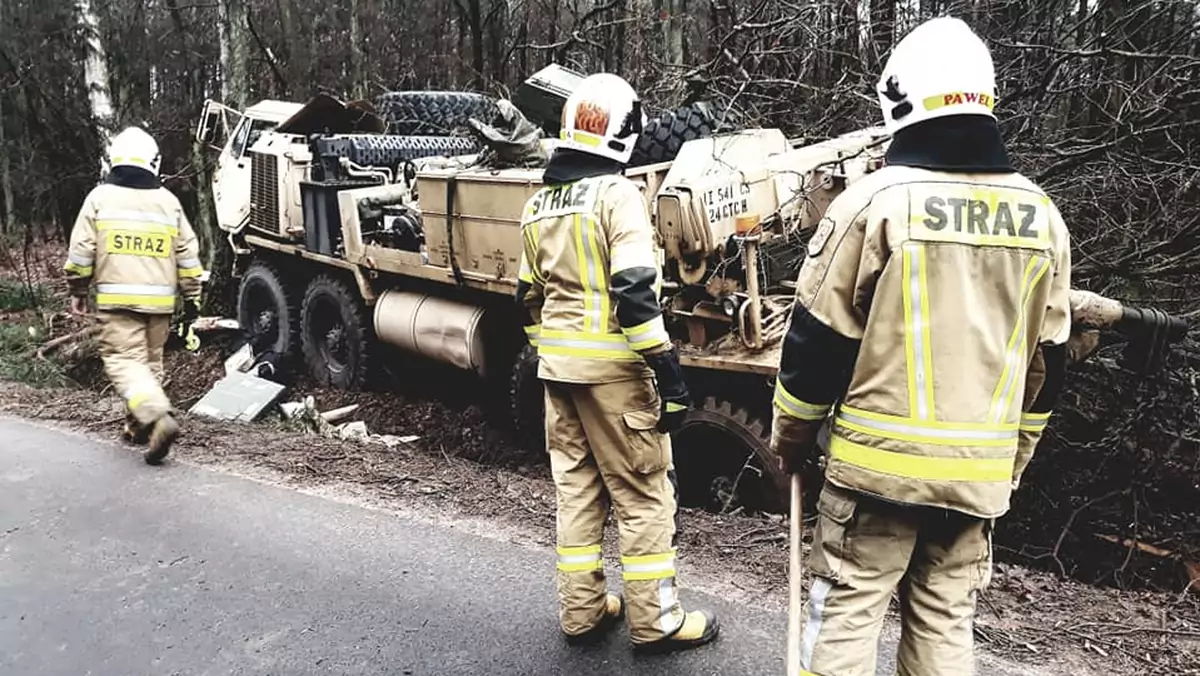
point(133, 147)
point(941, 68)
point(603, 116)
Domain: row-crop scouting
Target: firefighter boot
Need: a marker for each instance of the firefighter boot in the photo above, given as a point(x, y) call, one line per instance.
point(161, 437)
point(134, 432)
point(614, 610)
point(699, 627)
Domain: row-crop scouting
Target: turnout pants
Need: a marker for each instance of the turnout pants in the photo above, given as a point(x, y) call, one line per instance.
point(863, 550)
point(604, 450)
point(131, 346)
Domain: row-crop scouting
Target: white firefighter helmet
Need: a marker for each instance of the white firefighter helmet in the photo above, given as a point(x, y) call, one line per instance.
point(603, 116)
point(133, 147)
point(941, 68)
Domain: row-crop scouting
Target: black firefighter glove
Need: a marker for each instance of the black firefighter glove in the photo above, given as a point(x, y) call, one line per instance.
point(672, 391)
point(191, 311)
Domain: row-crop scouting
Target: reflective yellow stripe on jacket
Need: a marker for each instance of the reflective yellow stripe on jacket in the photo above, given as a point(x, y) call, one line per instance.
point(150, 295)
point(926, 450)
point(80, 264)
point(608, 346)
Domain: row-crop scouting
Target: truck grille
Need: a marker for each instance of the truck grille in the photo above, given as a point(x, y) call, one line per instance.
point(264, 192)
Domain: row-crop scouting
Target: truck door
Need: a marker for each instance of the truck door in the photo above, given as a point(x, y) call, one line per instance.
point(231, 180)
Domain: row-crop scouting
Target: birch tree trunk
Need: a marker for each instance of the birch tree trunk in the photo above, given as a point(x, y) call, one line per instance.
point(95, 76)
point(7, 225)
point(358, 85)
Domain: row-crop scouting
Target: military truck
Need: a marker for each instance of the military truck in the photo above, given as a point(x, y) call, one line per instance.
point(357, 226)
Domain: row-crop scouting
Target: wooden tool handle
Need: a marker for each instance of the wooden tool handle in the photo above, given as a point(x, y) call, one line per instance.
point(795, 567)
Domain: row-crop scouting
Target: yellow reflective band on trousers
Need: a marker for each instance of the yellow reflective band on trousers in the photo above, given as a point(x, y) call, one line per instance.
point(795, 407)
point(647, 335)
point(149, 295)
point(580, 559)
point(1013, 354)
point(916, 335)
point(922, 467)
point(648, 567)
point(885, 426)
point(533, 332)
point(606, 346)
point(592, 276)
point(1034, 422)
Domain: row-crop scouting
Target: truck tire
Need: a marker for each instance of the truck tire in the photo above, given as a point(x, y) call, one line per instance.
point(336, 335)
point(426, 113)
point(723, 460)
point(268, 309)
point(527, 398)
point(664, 135)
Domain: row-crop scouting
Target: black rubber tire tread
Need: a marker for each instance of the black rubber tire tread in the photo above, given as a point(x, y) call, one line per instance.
point(287, 304)
point(437, 113)
point(359, 335)
point(391, 151)
point(664, 135)
point(755, 437)
point(527, 400)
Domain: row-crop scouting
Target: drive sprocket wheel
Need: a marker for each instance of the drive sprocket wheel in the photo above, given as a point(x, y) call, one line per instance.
point(723, 460)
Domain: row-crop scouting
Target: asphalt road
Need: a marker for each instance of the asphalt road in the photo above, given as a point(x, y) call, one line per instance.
point(109, 567)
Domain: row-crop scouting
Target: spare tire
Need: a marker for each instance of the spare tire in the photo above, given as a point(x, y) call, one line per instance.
point(664, 135)
point(431, 113)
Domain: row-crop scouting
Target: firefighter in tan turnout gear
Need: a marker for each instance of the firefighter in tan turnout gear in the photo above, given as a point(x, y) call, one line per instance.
point(133, 242)
point(928, 335)
point(588, 287)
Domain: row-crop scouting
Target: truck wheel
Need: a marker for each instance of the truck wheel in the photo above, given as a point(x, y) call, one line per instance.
point(268, 309)
point(434, 113)
point(336, 334)
point(723, 460)
point(527, 397)
point(663, 136)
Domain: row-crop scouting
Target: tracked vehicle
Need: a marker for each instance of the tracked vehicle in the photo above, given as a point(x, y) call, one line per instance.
point(358, 227)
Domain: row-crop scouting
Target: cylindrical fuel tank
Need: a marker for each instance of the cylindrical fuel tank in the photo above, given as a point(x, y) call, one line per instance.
point(437, 328)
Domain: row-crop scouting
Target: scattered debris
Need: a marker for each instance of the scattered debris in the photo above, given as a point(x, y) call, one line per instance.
point(238, 397)
point(1190, 569)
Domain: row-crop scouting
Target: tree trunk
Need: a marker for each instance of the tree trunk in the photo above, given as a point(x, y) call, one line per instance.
point(288, 52)
point(235, 48)
point(475, 19)
point(7, 225)
point(358, 85)
point(673, 15)
point(95, 76)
